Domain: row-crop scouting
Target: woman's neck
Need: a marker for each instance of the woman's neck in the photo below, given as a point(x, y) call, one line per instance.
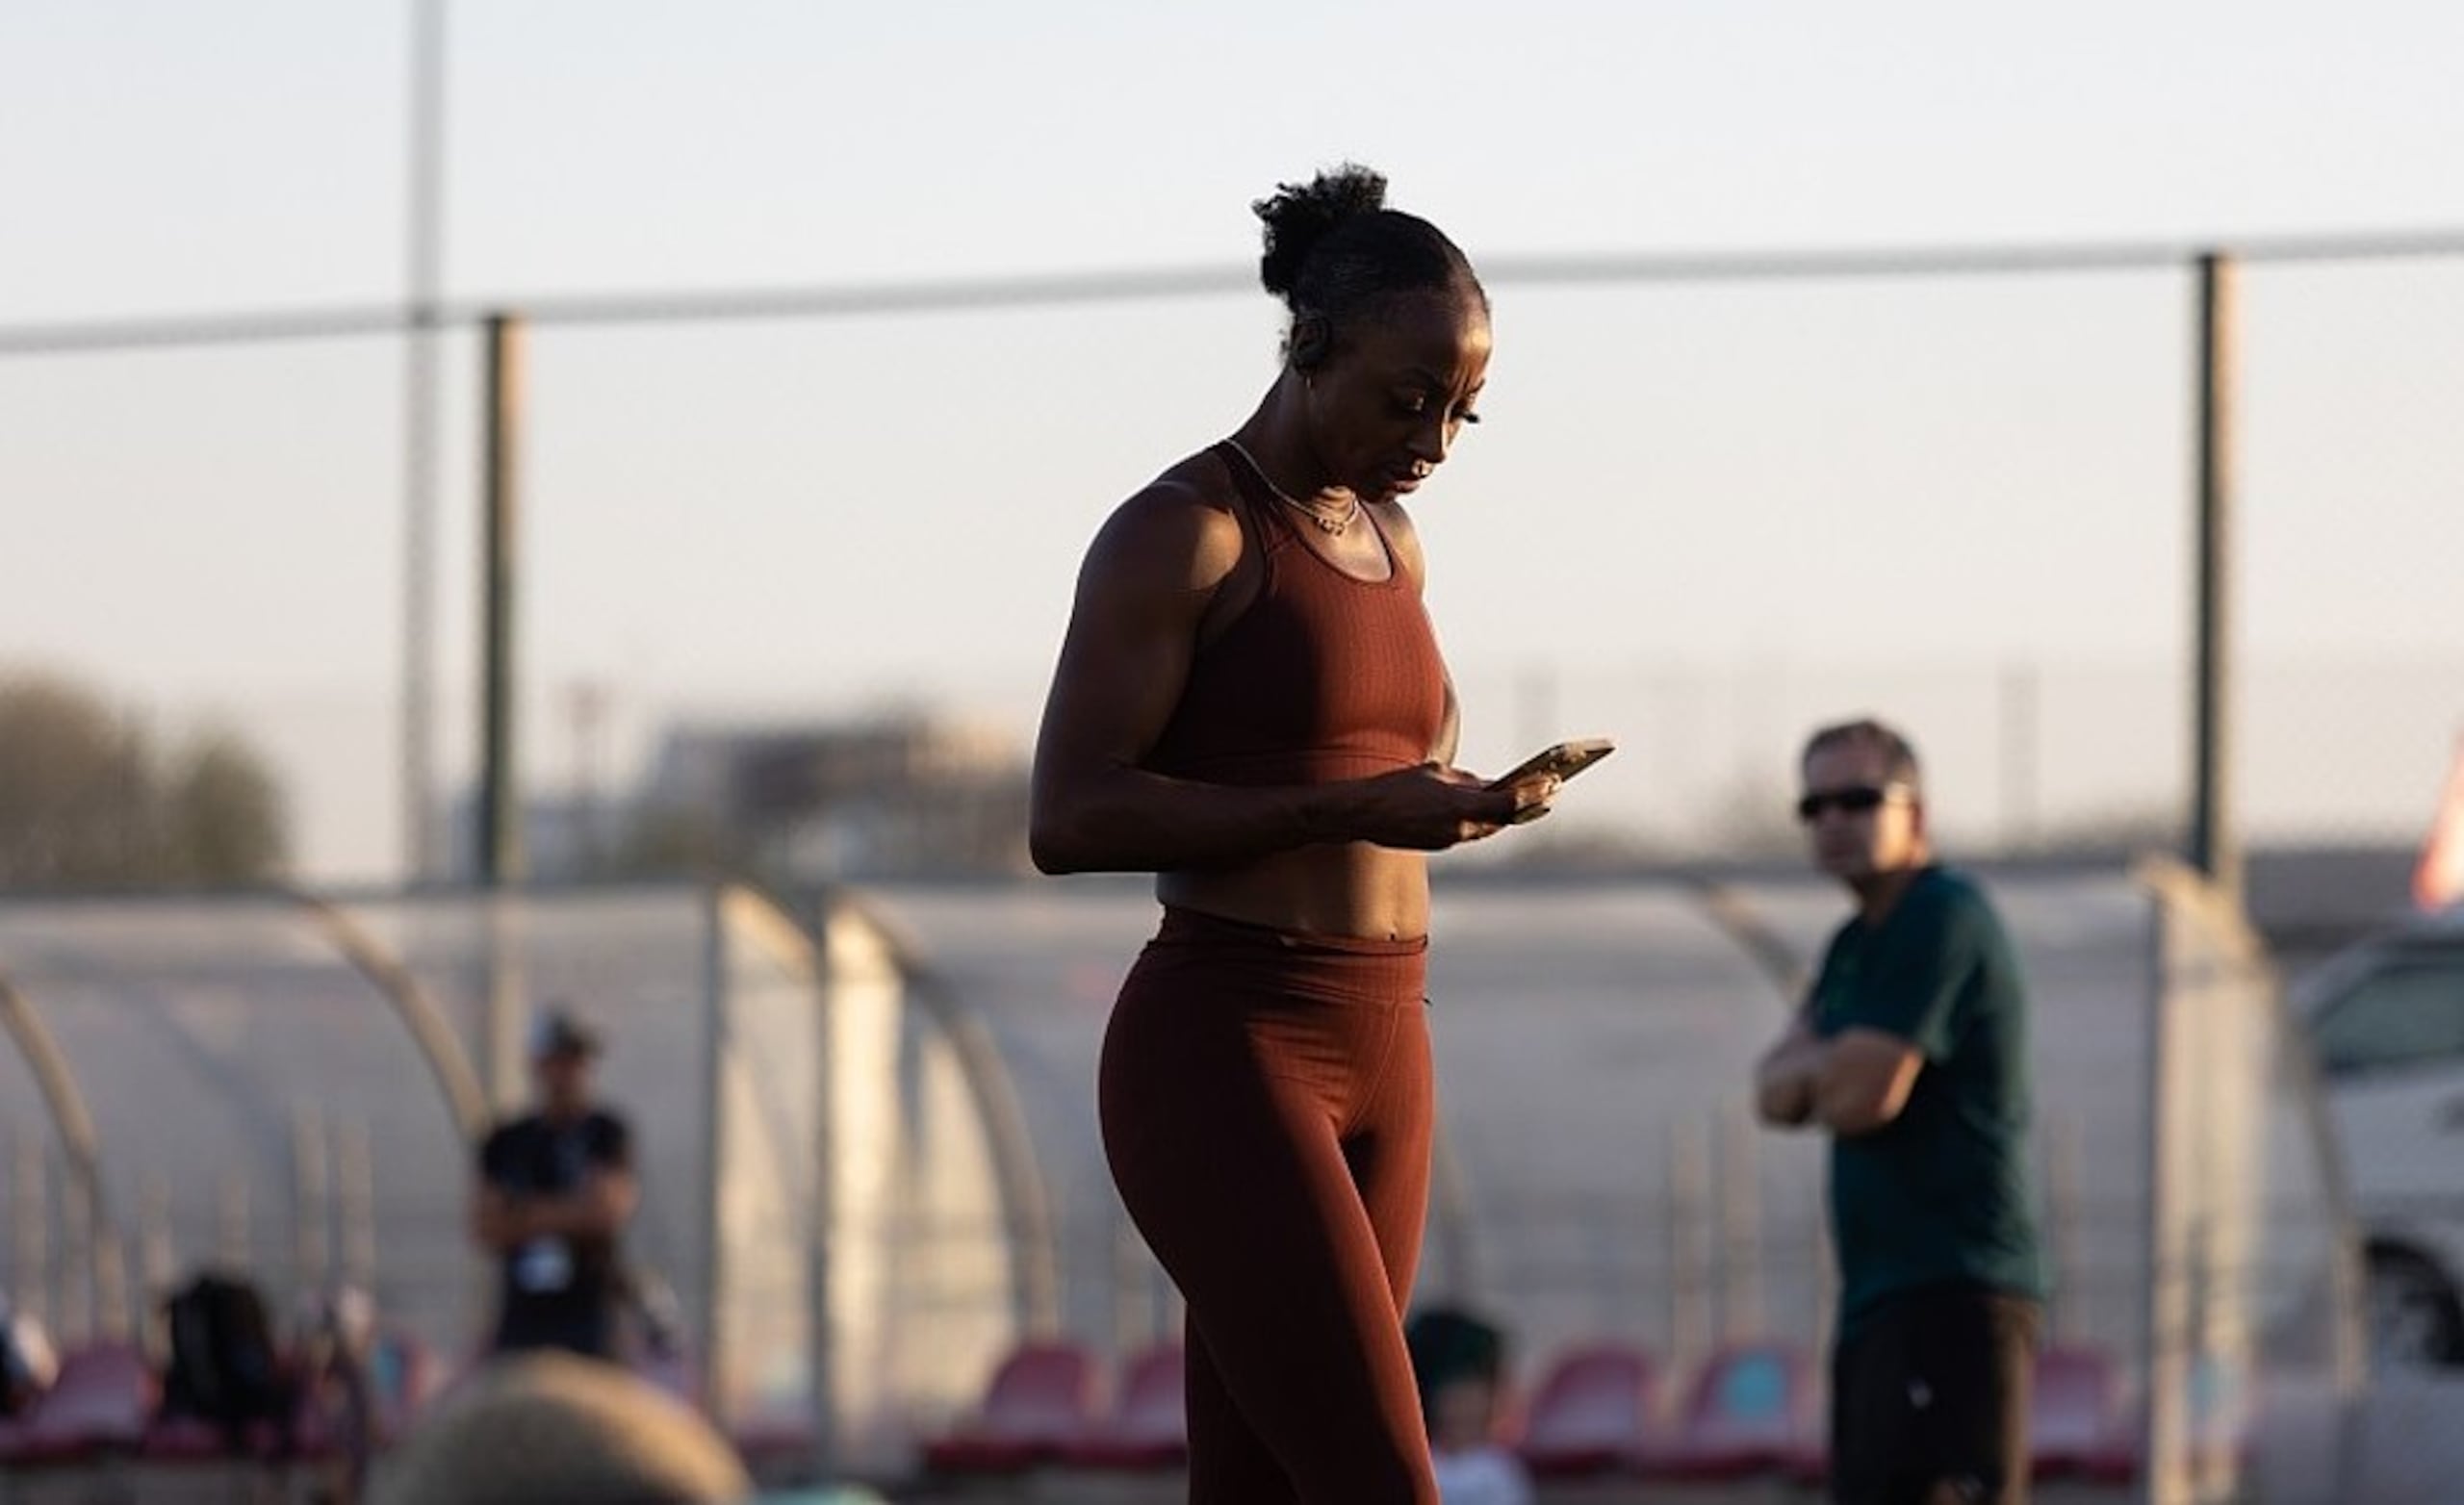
point(1276, 436)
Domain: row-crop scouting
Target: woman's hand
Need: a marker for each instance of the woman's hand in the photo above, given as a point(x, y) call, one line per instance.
point(1431, 808)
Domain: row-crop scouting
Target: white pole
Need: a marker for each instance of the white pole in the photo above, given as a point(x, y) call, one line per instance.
point(2064, 1154)
point(1688, 1190)
point(711, 1297)
point(2166, 1324)
point(310, 1250)
point(355, 1192)
point(160, 1254)
point(1739, 1190)
point(235, 1247)
point(30, 1213)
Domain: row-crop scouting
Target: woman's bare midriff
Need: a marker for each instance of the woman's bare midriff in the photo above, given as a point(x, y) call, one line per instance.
point(1349, 889)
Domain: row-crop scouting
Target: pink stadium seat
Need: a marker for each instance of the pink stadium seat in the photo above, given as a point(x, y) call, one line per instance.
point(102, 1403)
point(1040, 1403)
point(1591, 1414)
point(2075, 1414)
point(183, 1440)
point(1148, 1427)
point(2115, 1460)
point(1752, 1410)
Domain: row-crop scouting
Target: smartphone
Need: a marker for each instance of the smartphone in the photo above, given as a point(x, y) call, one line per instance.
point(1564, 760)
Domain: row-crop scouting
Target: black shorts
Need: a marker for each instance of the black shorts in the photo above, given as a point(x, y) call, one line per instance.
point(1934, 1388)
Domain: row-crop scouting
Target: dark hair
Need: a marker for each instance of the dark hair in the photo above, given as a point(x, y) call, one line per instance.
point(1333, 247)
point(1899, 756)
point(1448, 1343)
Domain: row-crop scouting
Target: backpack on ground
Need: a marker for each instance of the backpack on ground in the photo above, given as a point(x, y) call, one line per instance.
point(224, 1368)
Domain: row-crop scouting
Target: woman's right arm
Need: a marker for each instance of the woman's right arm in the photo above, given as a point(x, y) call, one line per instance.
point(1143, 594)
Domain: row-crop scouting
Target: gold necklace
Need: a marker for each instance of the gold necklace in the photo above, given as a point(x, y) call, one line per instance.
point(1326, 524)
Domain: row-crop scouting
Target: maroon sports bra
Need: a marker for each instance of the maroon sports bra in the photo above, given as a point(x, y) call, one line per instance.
point(1324, 676)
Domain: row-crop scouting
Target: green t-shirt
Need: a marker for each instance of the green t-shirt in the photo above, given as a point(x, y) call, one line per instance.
point(1940, 1195)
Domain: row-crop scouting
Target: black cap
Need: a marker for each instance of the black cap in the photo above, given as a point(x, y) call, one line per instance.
point(559, 1032)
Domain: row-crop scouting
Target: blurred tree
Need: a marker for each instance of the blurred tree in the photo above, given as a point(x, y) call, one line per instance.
point(85, 802)
point(222, 814)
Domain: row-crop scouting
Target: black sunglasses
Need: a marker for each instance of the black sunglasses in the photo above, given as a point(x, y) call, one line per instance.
point(1855, 799)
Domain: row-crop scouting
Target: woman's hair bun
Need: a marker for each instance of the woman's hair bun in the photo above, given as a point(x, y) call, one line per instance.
point(1298, 217)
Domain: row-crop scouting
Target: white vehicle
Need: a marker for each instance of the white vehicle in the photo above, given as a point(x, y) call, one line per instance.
point(2386, 1021)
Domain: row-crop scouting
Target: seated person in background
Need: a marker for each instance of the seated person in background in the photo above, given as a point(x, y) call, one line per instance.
point(28, 1365)
point(556, 1429)
point(1459, 1360)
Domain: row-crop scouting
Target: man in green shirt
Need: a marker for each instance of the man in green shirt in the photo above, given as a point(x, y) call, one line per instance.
point(1913, 1053)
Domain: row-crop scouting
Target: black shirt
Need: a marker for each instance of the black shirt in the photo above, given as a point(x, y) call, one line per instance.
point(555, 1285)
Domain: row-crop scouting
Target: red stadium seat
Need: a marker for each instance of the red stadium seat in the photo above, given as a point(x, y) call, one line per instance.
point(1040, 1403)
point(2074, 1414)
point(183, 1440)
point(2115, 1460)
point(1592, 1413)
point(1149, 1426)
point(102, 1404)
point(1752, 1410)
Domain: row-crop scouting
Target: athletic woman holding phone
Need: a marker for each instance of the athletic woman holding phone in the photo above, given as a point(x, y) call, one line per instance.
point(1249, 703)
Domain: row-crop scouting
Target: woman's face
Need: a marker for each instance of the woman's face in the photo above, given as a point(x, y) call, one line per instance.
point(1396, 386)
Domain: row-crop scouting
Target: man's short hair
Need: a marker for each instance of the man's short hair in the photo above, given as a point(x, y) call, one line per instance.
point(561, 1033)
point(1899, 755)
point(556, 1429)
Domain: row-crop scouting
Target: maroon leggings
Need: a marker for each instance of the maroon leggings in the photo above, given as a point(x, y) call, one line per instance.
point(1267, 1108)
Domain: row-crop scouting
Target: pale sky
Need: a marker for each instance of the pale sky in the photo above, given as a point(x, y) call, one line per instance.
point(1699, 515)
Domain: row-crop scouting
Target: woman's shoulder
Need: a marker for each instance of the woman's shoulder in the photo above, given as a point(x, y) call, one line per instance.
point(1186, 518)
point(1199, 482)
